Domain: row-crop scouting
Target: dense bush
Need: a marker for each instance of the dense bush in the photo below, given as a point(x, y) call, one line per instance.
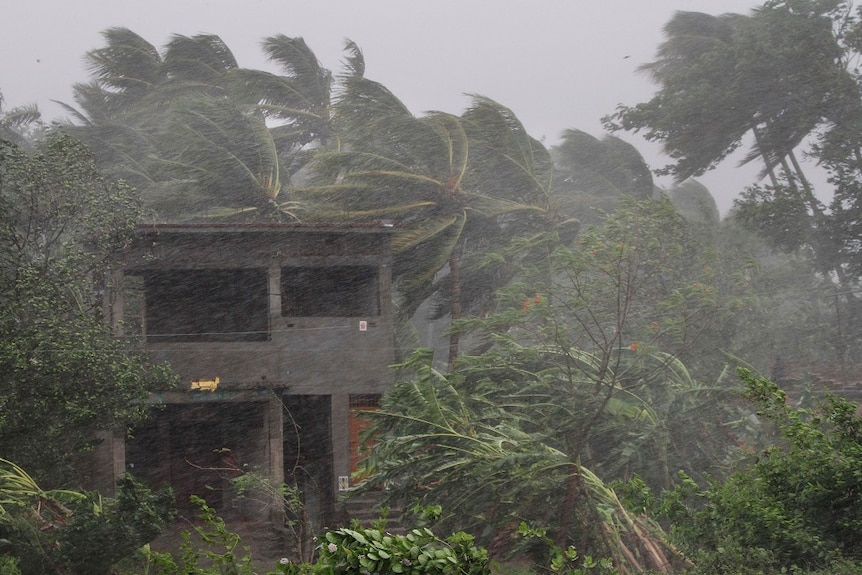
point(418, 552)
point(72, 533)
point(357, 551)
point(799, 505)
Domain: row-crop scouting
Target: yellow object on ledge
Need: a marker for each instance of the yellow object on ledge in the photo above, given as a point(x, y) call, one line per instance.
point(205, 384)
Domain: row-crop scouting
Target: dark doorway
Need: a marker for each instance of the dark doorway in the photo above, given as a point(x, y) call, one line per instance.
point(308, 454)
point(196, 449)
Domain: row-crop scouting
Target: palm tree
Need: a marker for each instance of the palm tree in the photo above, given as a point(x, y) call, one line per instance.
point(492, 445)
point(593, 174)
point(428, 172)
point(14, 122)
point(199, 135)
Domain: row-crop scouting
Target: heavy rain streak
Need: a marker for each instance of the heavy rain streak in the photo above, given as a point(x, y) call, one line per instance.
point(271, 319)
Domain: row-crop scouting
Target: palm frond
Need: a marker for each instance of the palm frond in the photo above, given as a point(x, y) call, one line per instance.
point(203, 58)
point(128, 65)
point(425, 231)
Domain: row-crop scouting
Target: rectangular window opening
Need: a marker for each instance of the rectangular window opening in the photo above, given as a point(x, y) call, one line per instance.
point(331, 291)
point(206, 305)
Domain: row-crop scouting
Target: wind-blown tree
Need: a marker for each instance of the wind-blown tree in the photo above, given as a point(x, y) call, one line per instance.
point(506, 162)
point(592, 173)
point(485, 455)
point(776, 74)
point(65, 375)
point(781, 75)
point(695, 203)
point(199, 135)
point(573, 371)
point(16, 121)
point(127, 71)
point(425, 172)
point(299, 99)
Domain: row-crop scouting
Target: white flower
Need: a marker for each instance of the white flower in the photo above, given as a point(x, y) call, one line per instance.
point(284, 560)
point(332, 547)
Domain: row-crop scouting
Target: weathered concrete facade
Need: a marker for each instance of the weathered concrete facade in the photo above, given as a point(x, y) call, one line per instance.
point(293, 321)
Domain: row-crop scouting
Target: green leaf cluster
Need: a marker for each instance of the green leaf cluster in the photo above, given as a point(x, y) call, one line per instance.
point(69, 532)
point(365, 551)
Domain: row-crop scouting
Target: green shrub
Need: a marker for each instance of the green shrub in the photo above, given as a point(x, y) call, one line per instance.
point(419, 552)
point(76, 533)
point(359, 551)
point(796, 508)
point(8, 565)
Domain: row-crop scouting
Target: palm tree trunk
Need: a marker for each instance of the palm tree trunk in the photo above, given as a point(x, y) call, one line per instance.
point(454, 306)
point(813, 204)
point(772, 178)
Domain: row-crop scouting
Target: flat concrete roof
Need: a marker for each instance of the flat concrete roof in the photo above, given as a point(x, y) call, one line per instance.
point(383, 226)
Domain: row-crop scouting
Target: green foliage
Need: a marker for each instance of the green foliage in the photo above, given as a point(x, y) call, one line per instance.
point(214, 550)
point(777, 73)
point(67, 532)
point(62, 227)
point(9, 565)
point(567, 561)
point(264, 491)
point(498, 463)
point(797, 505)
point(361, 551)
point(781, 75)
point(451, 181)
point(16, 124)
point(579, 380)
point(188, 126)
point(591, 175)
point(134, 517)
point(221, 548)
point(211, 549)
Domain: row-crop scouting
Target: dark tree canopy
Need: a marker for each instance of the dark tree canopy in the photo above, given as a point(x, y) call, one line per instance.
point(64, 372)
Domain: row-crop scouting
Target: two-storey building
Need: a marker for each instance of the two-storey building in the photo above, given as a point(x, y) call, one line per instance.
point(279, 333)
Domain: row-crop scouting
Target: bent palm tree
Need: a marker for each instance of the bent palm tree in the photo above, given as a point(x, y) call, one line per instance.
point(15, 121)
point(200, 136)
point(423, 171)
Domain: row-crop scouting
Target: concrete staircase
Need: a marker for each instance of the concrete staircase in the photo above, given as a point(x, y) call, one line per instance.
point(366, 508)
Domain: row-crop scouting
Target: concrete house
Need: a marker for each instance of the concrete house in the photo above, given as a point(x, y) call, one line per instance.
point(279, 332)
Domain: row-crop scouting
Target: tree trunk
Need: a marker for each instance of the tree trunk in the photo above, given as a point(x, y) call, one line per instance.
point(772, 178)
point(813, 204)
point(454, 306)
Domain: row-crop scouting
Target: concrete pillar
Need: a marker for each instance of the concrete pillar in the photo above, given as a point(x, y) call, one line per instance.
point(384, 279)
point(118, 452)
point(274, 421)
point(340, 430)
point(274, 290)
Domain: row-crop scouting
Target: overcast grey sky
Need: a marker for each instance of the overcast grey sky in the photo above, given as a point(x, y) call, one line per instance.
point(557, 64)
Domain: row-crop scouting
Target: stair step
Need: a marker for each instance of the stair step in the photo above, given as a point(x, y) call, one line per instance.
point(365, 509)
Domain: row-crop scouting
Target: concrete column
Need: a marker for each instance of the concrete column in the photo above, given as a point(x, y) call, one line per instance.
point(99, 469)
point(118, 452)
point(275, 425)
point(340, 429)
point(274, 290)
point(384, 279)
